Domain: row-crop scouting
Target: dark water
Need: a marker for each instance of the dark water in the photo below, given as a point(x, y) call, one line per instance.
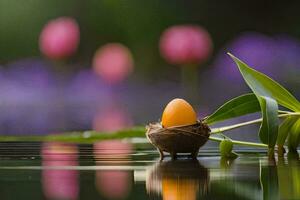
point(118, 170)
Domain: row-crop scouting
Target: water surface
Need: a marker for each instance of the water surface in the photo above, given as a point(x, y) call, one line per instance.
point(125, 170)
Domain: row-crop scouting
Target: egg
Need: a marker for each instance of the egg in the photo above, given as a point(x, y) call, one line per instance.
point(178, 112)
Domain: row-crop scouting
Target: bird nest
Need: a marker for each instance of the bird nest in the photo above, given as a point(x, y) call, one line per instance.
point(178, 139)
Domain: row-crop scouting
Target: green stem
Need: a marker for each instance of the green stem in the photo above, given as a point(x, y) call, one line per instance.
point(189, 81)
point(227, 128)
point(284, 112)
point(238, 142)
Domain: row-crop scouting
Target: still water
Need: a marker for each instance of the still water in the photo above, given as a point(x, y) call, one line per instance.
point(132, 170)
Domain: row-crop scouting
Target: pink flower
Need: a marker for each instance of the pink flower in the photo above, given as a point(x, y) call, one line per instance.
point(185, 44)
point(59, 38)
point(113, 62)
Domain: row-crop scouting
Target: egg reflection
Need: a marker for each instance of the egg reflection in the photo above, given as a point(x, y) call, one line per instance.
point(60, 183)
point(178, 180)
point(113, 184)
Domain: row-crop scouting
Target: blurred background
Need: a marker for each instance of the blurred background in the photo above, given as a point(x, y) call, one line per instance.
point(111, 64)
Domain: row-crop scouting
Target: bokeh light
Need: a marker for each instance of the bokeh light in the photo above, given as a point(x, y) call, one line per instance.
point(65, 64)
point(113, 62)
point(59, 38)
point(274, 56)
point(185, 44)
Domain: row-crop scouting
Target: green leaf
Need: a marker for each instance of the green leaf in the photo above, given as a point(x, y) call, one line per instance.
point(284, 129)
point(269, 127)
point(79, 136)
point(294, 136)
point(268, 92)
point(262, 85)
point(226, 149)
point(242, 105)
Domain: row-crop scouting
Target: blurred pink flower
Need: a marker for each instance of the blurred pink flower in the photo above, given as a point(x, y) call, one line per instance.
point(60, 183)
point(185, 44)
point(59, 38)
point(113, 62)
point(112, 118)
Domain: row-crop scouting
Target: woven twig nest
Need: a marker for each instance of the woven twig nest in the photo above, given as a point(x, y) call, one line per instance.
point(179, 139)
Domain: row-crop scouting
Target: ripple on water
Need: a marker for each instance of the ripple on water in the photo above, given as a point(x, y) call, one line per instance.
point(130, 170)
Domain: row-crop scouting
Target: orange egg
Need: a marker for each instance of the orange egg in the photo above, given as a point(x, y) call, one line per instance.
point(178, 113)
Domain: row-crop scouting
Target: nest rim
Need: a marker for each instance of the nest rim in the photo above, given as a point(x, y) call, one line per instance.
point(177, 128)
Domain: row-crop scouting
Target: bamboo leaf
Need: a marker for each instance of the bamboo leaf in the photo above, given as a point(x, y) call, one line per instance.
point(262, 85)
point(269, 127)
point(294, 136)
point(239, 106)
point(268, 92)
point(284, 129)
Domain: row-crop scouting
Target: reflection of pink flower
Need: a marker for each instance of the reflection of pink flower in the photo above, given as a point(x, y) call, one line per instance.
point(113, 62)
point(185, 44)
point(60, 183)
point(112, 149)
point(113, 184)
point(111, 119)
point(59, 38)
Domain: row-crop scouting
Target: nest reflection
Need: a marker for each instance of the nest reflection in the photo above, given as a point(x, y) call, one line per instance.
point(180, 179)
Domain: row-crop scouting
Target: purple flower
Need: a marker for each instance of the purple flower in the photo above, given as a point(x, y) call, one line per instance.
point(256, 49)
point(28, 98)
point(277, 57)
point(287, 53)
point(84, 95)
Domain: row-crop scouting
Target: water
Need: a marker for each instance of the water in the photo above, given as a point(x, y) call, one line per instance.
point(118, 170)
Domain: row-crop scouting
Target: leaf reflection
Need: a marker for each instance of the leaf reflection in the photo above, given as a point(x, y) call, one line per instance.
point(281, 179)
point(289, 177)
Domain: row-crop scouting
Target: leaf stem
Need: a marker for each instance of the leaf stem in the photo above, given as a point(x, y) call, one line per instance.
point(234, 126)
point(284, 112)
point(238, 142)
